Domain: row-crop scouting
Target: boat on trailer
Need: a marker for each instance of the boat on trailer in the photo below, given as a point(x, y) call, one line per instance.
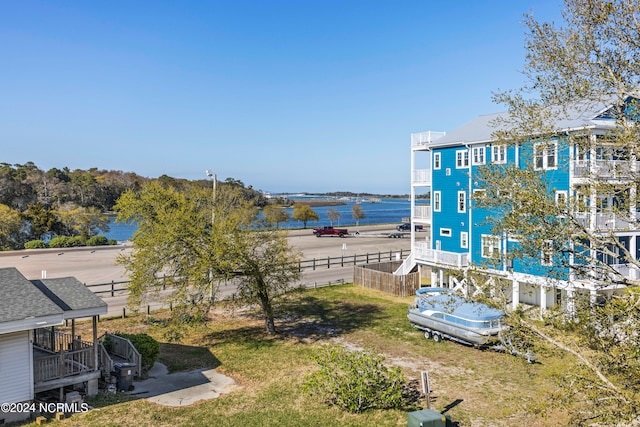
point(442, 314)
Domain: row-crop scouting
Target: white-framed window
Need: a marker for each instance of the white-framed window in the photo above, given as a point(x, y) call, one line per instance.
point(561, 198)
point(462, 159)
point(446, 232)
point(581, 154)
point(490, 246)
point(499, 154)
point(464, 239)
point(582, 199)
point(545, 155)
point(546, 254)
point(478, 155)
point(437, 161)
point(437, 201)
point(462, 201)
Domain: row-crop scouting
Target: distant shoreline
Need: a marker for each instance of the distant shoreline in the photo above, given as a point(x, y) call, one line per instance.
point(315, 203)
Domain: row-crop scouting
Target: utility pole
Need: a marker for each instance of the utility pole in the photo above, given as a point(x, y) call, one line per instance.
point(213, 198)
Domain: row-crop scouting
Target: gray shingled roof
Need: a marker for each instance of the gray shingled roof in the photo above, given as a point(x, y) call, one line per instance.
point(480, 129)
point(71, 295)
point(21, 299)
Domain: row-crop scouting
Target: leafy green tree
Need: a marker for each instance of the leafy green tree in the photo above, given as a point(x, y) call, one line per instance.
point(591, 60)
point(11, 226)
point(43, 222)
point(357, 213)
point(81, 221)
point(275, 214)
point(333, 215)
point(304, 213)
point(177, 238)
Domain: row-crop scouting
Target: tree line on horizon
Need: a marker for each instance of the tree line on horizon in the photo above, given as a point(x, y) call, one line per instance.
point(39, 205)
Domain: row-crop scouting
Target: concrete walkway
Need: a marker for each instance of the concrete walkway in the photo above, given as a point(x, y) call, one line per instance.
point(182, 388)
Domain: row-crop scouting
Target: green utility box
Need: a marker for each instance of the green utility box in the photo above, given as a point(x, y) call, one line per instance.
point(427, 418)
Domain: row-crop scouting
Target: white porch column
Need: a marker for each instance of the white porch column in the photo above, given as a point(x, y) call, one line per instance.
point(593, 297)
point(434, 278)
point(515, 294)
point(441, 277)
point(543, 299)
point(570, 305)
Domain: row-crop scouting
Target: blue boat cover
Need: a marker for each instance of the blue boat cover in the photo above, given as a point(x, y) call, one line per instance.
point(443, 300)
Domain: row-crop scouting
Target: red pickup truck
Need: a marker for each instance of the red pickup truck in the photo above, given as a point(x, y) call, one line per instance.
point(330, 231)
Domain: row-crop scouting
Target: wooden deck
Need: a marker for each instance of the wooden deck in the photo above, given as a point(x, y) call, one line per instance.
point(60, 360)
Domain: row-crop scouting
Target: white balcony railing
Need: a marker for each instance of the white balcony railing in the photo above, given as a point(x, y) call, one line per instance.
point(605, 169)
point(422, 212)
point(421, 176)
point(425, 138)
point(606, 221)
point(423, 253)
point(627, 270)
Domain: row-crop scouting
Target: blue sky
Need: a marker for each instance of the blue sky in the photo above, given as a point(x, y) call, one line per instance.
point(283, 95)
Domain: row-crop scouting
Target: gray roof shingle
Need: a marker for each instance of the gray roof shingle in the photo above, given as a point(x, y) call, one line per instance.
point(69, 294)
point(21, 299)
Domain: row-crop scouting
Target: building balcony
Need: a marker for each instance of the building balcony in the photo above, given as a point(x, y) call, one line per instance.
point(615, 169)
point(423, 139)
point(421, 177)
point(422, 213)
point(606, 221)
point(424, 254)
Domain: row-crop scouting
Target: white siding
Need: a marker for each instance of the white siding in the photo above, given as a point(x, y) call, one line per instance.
point(16, 364)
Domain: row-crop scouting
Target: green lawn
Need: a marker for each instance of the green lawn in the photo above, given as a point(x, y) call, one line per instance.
point(476, 388)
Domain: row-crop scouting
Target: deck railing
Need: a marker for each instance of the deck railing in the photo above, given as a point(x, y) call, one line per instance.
point(63, 364)
point(55, 341)
point(425, 138)
point(454, 259)
point(422, 212)
point(421, 176)
point(606, 168)
point(123, 348)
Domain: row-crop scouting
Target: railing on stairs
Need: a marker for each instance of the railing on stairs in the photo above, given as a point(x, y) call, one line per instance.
point(122, 348)
point(406, 266)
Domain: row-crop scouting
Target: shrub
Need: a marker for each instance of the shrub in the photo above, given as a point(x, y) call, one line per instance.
point(59, 242)
point(97, 241)
point(35, 244)
point(148, 348)
point(357, 381)
point(76, 241)
point(113, 242)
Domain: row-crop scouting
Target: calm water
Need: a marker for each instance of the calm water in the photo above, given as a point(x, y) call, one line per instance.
point(388, 211)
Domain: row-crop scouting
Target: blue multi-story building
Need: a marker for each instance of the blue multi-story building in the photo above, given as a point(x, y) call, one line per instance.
point(458, 248)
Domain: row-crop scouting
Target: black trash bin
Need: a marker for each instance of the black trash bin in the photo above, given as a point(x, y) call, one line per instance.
point(124, 375)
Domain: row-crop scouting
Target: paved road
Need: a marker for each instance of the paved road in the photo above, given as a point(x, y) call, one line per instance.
point(98, 265)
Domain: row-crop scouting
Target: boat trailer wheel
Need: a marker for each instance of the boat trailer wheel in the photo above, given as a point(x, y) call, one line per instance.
point(436, 337)
point(427, 334)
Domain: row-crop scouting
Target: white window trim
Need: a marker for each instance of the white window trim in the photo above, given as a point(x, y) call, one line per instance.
point(437, 161)
point(464, 240)
point(498, 151)
point(494, 247)
point(546, 253)
point(462, 201)
point(482, 150)
point(545, 155)
point(560, 194)
point(445, 232)
point(437, 201)
point(463, 162)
